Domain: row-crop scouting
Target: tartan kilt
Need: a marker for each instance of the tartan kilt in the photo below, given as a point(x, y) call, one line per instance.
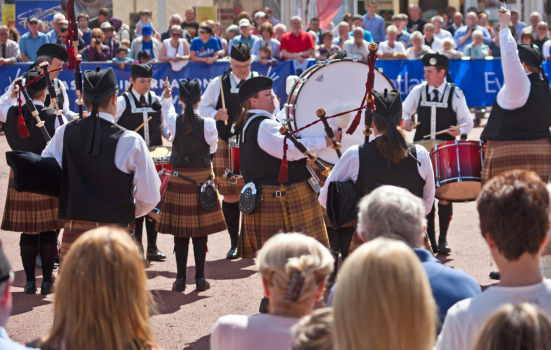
point(322, 179)
point(75, 228)
point(297, 211)
point(181, 214)
point(220, 163)
point(29, 212)
point(503, 156)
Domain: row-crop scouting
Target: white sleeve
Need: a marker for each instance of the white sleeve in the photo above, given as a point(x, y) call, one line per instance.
point(426, 172)
point(462, 112)
point(55, 148)
point(56, 123)
point(169, 115)
point(546, 49)
point(401, 46)
point(276, 102)
point(452, 335)
point(66, 111)
point(516, 85)
point(411, 102)
point(271, 141)
point(132, 157)
point(211, 134)
point(346, 169)
point(207, 106)
point(121, 106)
point(5, 103)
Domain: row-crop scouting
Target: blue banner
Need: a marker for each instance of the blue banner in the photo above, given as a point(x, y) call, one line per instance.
point(44, 10)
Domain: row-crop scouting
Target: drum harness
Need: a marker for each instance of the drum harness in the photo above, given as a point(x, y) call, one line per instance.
point(145, 112)
point(433, 105)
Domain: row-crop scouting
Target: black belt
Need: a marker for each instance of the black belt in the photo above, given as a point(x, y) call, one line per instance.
point(278, 194)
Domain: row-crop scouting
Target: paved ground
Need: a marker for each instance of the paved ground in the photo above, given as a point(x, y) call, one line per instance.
point(185, 320)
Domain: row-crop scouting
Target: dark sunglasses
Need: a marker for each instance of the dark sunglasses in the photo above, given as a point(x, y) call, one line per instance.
point(96, 37)
point(202, 32)
point(176, 34)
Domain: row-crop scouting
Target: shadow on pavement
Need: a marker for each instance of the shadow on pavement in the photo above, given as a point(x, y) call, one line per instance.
point(169, 302)
point(153, 274)
point(202, 343)
point(23, 303)
point(444, 259)
point(224, 269)
point(19, 278)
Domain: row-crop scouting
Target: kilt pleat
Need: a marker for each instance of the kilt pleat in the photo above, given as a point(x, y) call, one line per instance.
point(503, 156)
point(181, 214)
point(29, 212)
point(220, 163)
point(297, 211)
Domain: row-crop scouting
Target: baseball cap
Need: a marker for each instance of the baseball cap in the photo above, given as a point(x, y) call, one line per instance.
point(106, 25)
point(32, 19)
point(259, 14)
point(244, 23)
point(147, 30)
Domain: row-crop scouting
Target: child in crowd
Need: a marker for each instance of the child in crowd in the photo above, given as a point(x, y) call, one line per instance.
point(144, 57)
point(265, 55)
point(125, 43)
point(122, 58)
point(447, 45)
point(145, 18)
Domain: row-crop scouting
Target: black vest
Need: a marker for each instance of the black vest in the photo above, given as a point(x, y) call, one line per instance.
point(131, 121)
point(93, 188)
point(36, 142)
point(232, 105)
point(60, 99)
point(190, 151)
point(529, 122)
point(373, 171)
point(444, 117)
point(260, 167)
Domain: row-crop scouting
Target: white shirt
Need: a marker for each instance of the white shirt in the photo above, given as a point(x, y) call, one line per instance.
point(516, 85)
point(436, 44)
point(207, 106)
point(546, 49)
point(459, 105)
point(131, 157)
point(209, 128)
point(270, 139)
point(348, 166)
point(5, 107)
point(353, 50)
point(465, 319)
point(385, 48)
point(445, 34)
point(121, 106)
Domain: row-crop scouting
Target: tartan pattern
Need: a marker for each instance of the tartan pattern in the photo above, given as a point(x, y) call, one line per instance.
point(322, 178)
point(29, 212)
point(220, 163)
point(503, 156)
point(75, 228)
point(297, 211)
point(181, 214)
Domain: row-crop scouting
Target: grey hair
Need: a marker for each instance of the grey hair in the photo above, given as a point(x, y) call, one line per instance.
point(175, 27)
point(392, 210)
point(3, 27)
point(280, 25)
point(234, 30)
point(448, 40)
point(177, 16)
point(343, 24)
point(59, 17)
point(430, 25)
point(414, 6)
point(436, 18)
point(478, 33)
point(391, 28)
point(296, 18)
point(416, 34)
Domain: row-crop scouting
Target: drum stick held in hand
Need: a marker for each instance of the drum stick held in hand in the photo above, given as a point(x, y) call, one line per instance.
point(223, 101)
point(415, 125)
point(141, 126)
point(443, 131)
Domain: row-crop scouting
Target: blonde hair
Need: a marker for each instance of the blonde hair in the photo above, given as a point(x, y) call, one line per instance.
point(294, 265)
point(478, 33)
point(383, 300)
point(101, 301)
point(523, 326)
point(314, 331)
point(97, 31)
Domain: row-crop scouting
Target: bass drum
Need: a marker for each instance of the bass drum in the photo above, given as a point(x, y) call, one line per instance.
point(337, 86)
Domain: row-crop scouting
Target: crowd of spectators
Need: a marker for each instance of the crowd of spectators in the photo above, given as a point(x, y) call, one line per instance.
point(408, 36)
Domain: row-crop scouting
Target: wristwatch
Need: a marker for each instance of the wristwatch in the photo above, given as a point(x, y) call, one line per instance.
point(300, 54)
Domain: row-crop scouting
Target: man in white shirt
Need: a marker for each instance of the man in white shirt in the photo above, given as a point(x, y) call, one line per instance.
point(514, 219)
point(430, 39)
point(357, 46)
point(392, 48)
point(439, 31)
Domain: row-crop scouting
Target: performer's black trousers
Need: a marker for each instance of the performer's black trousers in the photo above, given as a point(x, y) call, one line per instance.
point(151, 233)
point(29, 245)
point(339, 242)
point(181, 248)
point(444, 216)
point(231, 215)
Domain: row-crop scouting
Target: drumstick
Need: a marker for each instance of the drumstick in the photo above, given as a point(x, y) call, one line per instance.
point(443, 131)
point(222, 96)
point(141, 126)
point(415, 125)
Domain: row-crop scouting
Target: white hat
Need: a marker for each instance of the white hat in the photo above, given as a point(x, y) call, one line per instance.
point(291, 79)
point(244, 23)
point(259, 14)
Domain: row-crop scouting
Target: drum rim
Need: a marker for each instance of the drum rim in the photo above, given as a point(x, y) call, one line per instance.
point(461, 142)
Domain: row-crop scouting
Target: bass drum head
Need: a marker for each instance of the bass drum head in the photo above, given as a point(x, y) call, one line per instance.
point(337, 87)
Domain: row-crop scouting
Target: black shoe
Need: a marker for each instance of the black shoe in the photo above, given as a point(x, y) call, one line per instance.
point(443, 248)
point(155, 255)
point(47, 288)
point(30, 288)
point(202, 285)
point(179, 285)
point(495, 275)
point(263, 309)
point(232, 254)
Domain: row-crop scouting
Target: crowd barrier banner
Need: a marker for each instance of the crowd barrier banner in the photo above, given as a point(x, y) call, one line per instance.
point(480, 80)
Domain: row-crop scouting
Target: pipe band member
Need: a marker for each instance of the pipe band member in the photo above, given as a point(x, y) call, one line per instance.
point(181, 215)
point(108, 176)
point(211, 106)
point(134, 107)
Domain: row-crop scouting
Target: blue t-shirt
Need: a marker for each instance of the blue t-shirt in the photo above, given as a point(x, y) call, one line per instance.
point(87, 37)
point(148, 46)
point(205, 49)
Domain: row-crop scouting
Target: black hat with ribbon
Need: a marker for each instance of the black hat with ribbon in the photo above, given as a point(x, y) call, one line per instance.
point(437, 60)
point(97, 85)
point(141, 71)
point(253, 86)
point(52, 50)
point(241, 52)
point(190, 91)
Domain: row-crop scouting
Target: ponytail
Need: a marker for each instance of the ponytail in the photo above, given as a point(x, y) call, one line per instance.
point(189, 113)
point(398, 152)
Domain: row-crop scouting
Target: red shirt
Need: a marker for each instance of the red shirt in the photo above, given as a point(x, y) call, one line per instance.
point(295, 44)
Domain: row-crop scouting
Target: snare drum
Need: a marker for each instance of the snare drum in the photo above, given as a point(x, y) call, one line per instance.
point(457, 168)
point(233, 171)
point(429, 144)
point(161, 157)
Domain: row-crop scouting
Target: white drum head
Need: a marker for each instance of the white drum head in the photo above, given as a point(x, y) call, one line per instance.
point(337, 87)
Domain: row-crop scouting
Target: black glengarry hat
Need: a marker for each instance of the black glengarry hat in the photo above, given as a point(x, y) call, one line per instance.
point(54, 50)
point(341, 54)
point(39, 85)
point(190, 89)
point(436, 59)
point(253, 86)
point(241, 52)
point(141, 71)
point(530, 54)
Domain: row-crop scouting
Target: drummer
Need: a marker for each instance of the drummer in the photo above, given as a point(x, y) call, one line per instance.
point(451, 110)
point(134, 107)
point(212, 106)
